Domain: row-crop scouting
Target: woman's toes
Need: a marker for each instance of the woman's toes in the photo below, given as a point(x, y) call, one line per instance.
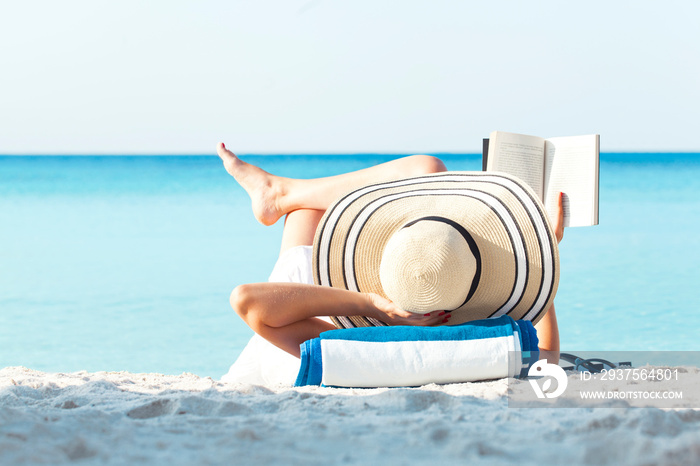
point(225, 154)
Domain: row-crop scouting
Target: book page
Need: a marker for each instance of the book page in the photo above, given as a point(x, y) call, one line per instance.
point(571, 167)
point(519, 155)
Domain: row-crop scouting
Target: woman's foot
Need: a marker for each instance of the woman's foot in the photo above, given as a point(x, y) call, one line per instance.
point(263, 188)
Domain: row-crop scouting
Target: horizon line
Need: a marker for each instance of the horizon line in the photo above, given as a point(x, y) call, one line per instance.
point(302, 154)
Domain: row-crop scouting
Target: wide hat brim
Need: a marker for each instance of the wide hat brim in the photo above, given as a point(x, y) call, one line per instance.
point(519, 258)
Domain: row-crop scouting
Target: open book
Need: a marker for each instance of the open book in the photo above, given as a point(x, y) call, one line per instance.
point(550, 166)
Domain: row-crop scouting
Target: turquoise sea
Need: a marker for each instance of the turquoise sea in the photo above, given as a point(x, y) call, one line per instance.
point(126, 263)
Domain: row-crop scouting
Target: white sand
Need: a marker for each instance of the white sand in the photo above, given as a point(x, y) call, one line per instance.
point(124, 418)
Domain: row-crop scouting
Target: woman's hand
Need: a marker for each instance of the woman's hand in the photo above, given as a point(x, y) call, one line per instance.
point(389, 313)
point(559, 221)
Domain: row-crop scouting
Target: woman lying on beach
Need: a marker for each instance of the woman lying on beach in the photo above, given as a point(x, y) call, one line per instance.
point(287, 314)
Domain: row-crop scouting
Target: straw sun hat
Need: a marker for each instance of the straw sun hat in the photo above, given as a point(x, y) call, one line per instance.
point(477, 244)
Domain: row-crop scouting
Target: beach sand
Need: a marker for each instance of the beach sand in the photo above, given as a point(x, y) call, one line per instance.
point(126, 418)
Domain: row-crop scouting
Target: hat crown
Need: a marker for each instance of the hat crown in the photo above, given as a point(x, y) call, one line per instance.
point(427, 266)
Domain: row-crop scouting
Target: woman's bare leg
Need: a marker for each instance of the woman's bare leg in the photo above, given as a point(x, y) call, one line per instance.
point(300, 228)
point(274, 196)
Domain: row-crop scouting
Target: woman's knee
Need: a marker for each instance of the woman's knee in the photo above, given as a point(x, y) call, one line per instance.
point(425, 164)
point(242, 299)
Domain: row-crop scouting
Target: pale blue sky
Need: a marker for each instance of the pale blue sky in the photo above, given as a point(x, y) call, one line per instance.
point(321, 76)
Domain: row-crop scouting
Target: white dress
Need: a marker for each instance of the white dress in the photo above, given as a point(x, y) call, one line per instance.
point(261, 362)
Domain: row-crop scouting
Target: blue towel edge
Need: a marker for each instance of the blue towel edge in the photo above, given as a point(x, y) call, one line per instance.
point(529, 346)
point(492, 327)
point(303, 375)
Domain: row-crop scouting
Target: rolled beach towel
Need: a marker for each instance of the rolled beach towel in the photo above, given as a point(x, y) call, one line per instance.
point(404, 356)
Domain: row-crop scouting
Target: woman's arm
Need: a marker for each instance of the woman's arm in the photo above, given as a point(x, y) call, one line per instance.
point(548, 335)
point(547, 328)
point(285, 313)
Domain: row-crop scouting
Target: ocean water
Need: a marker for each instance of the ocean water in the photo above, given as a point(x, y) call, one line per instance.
point(126, 263)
